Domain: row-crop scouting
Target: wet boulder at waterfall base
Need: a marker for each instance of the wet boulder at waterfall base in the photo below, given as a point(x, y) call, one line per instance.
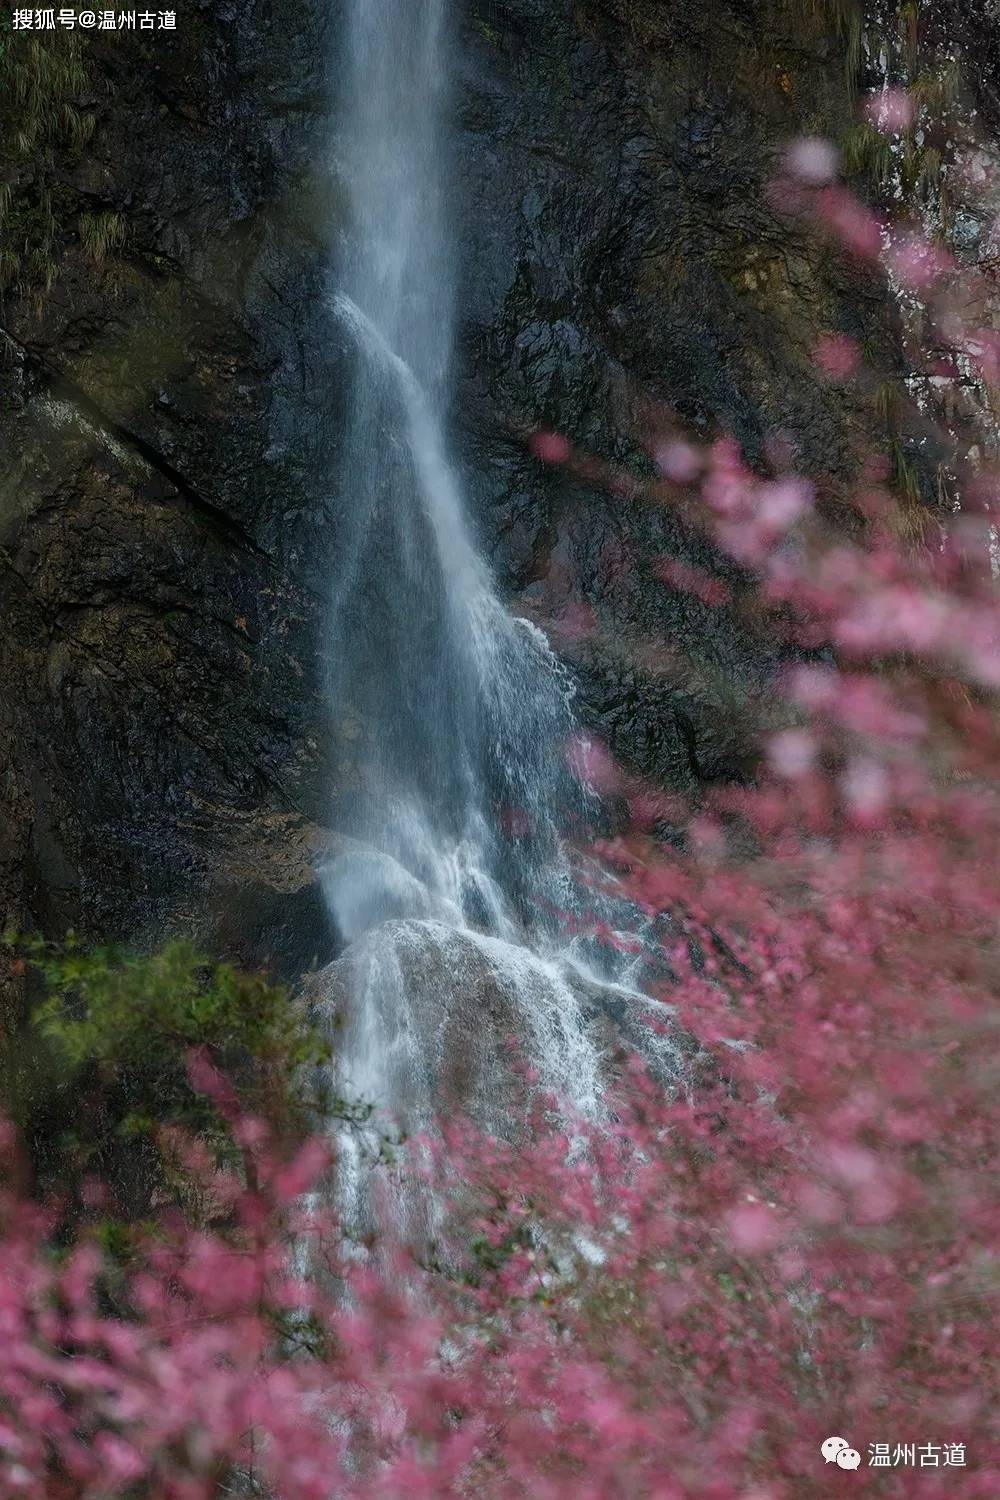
point(459, 1016)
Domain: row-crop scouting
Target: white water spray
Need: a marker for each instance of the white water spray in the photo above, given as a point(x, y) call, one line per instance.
point(454, 896)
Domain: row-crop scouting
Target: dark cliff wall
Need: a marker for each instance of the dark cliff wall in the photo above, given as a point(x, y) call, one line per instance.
point(170, 410)
point(620, 249)
point(166, 428)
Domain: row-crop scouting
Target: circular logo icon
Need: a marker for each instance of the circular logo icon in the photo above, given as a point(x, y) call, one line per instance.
point(832, 1447)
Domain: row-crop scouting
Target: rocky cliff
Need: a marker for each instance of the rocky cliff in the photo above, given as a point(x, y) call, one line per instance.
point(171, 409)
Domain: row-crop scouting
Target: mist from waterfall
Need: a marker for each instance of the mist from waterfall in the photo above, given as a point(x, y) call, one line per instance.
point(457, 869)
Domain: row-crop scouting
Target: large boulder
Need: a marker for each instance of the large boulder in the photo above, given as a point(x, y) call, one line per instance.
point(430, 1021)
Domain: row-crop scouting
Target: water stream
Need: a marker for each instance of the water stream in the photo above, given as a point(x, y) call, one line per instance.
point(454, 892)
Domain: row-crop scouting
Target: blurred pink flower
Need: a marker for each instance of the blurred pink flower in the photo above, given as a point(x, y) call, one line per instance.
point(916, 262)
point(865, 786)
point(550, 447)
point(678, 461)
point(813, 160)
point(590, 761)
point(837, 356)
point(857, 228)
point(891, 111)
point(782, 502)
point(792, 752)
point(753, 1228)
point(690, 580)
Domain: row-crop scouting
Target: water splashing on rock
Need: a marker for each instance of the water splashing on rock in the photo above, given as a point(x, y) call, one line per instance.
point(452, 896)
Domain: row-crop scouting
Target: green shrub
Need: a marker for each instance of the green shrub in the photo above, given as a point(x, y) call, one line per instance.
point(101, 1064)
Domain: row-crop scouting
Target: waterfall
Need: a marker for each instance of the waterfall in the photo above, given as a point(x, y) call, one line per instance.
point(456, 883)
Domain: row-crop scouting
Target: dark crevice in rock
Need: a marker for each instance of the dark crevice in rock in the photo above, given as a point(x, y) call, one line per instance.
point(219, 521)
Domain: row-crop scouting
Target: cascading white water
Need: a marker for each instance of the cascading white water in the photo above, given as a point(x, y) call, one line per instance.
point(459, 877)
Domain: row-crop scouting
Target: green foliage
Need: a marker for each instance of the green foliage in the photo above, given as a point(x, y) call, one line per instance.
point(871, 348)
point(868, 153)
point(43, 80)
point(916, 164)
point(937, 89)
point(101, 1066)
point(108, 1006)
point(847, 18)
point(888, 404)
point(487, 32)
point(118, 1009)
point(908, 21)
point(905, 477)
point(100, 234)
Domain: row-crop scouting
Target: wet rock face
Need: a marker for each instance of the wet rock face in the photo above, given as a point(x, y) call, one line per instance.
point(170, 416)
point(167, 422)
point(619, 249)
